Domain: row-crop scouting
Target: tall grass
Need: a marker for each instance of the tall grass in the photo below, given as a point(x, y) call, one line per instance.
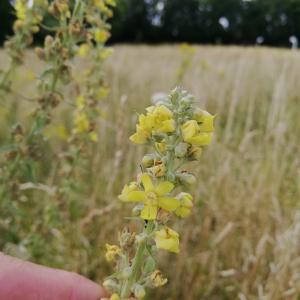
point(242, 241)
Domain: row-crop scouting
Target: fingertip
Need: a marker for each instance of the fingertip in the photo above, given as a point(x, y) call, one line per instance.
point(85, 289)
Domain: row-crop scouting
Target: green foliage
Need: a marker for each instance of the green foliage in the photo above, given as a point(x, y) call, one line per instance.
point(194, 21)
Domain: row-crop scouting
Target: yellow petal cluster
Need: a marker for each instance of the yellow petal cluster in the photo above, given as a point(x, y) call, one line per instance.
point(153, 197)
point(84, 50)
point(101, 35)
point(159, 119)
point(198, 131)
point(21, 9)
point(192, 134)
point(112, 251)
point(132, 186)
point(157, 279)
point(81, 122)
point(167, 239)
point(114, 297)
point(185, 206)
point(205, 120)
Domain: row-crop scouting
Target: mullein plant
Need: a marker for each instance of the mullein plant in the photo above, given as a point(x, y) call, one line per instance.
point(176, 131)
point(79, 28)
point(91, 89)
point(29, 15)
point(187, 52)
point(78, 25)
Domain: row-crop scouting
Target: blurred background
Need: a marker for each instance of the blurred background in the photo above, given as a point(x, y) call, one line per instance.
point(245, 22)
point(243, 238)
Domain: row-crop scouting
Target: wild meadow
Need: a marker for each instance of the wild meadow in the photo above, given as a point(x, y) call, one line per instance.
point(242, 240)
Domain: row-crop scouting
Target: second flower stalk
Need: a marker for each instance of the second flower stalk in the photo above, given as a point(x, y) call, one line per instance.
point(176, 131)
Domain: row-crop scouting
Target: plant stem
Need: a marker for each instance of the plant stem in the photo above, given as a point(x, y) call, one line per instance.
point(137, 264)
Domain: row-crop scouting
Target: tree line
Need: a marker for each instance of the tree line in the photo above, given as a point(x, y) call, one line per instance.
point(269, 22)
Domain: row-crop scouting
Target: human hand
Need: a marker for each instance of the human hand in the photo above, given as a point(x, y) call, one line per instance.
point(20, 280)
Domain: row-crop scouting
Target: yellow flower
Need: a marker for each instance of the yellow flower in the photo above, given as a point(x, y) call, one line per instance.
point(111, 252)
point(80, 102)
point(132, 186)
point(186, 204)
point(81, 123)
point(114, 297)
point(30, 76)
point(205, 120)
point(149, 160)
point(157, 120)
point(99, 4)
point(105, 53)
point(143, 130)
point(102, 92)
point(153, 197)
point(21, 10)
point(101, 35)
point(158, 170)
point(157, 279)
point(111, 2)
point(167, 239)
point(84, 50)
point(162, 147)
point(192, 134)
point(162, 119)
point(187, 49)
point(93, 136)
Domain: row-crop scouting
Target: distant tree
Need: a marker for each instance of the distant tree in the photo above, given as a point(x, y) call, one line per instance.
point(194, 21)
point(6, 20)
point(130, 23)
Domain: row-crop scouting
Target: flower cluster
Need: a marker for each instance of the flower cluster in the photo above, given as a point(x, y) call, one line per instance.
point(176, 131)
point(76, 29)
point(29, 15)
point(94, 89)
point(187, 53)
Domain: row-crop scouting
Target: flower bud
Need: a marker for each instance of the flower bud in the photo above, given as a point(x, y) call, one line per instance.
point(148, 160)
point(140, 238)
point(161, 146)
point(48, 41)
point(18, 25)
point(111, 285)
point(35, 29)
point(186, 178)
point(114, 297)
point(139, 291)
point(205, 120)
point(40, 53)
point(186, 101)
point(112, 251)
point(186, 204)
point(125, 273)
point(136, 211)
point(158, 170)
point(195, 152)
point(181, 150)
point(157, 279)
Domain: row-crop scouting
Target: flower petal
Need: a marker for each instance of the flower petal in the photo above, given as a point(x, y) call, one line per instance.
point(149, 212)
point(138, 138)
point(164, 188)
point(147, 182)
point(202, 139)
point(136, 196)
point(167, 239)
point(168, 204)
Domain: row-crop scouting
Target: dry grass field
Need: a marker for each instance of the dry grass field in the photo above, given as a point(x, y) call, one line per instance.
point(243, 239)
